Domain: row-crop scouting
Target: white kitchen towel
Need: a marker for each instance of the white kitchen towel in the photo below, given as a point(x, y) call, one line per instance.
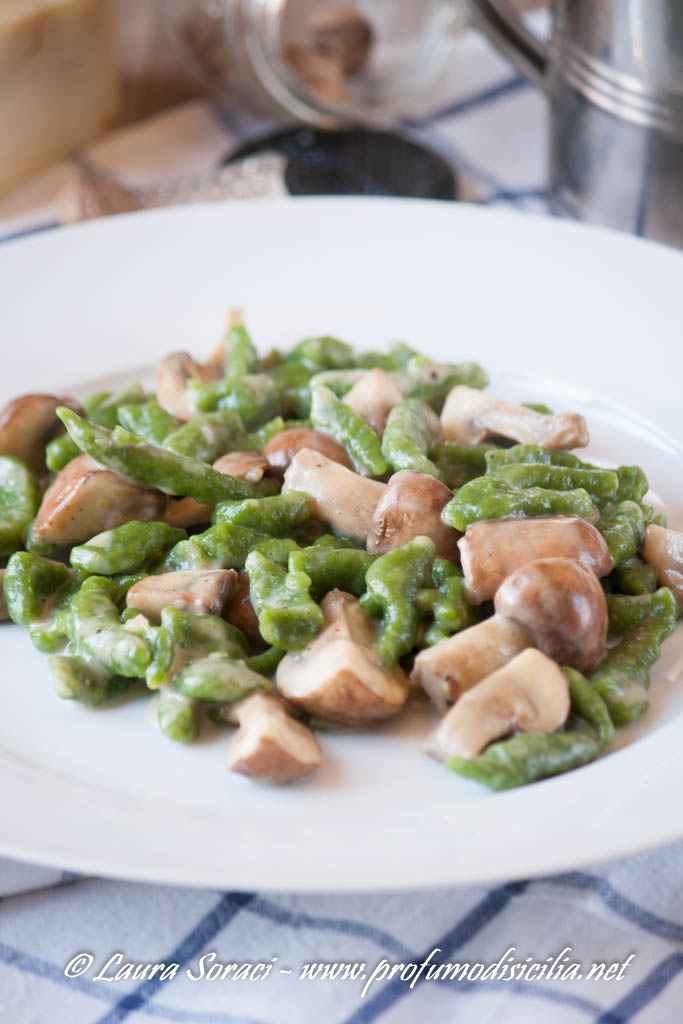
point(59, 932)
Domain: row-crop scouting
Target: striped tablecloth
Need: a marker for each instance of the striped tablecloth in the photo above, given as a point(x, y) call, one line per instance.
point(58, 932)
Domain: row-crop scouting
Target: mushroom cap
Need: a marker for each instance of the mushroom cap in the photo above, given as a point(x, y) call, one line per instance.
point(343, 499)
point(529, 694)
point(562, 605)
point(27, 423)
point(410, 507)
point(373, 396)
point(243, 465)
point(338, 677)
point(239, 611)
point(202, 591)
point(470, 416)
point(269, 745)
point(281, 449)
point(663, 549)
point(494, 548)
point(449, 668)
point(85, 499)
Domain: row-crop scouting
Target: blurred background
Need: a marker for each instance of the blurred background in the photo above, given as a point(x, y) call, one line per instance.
point(573, 107)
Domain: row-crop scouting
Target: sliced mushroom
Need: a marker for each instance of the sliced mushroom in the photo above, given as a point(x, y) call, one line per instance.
point(491, 550)
point(239, 611)
point(27, 423)
point(470, 416)
point(562, 605)
point(453, 666)
point(282, 448)
point(411, 507)
point(186, 512)
point(85, 499)
point(663, 549)
point(343, 499)
point(4, 614)
point(373, 397)
point(339, 677)
point(193, 590)
point(270, 746)
point(174, 372)
point(529, 694)
point(243, 465)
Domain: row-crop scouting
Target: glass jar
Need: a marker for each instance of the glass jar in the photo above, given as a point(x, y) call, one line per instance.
point(320, 63)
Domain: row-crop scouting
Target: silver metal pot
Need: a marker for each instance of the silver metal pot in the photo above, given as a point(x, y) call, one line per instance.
point(613, 71)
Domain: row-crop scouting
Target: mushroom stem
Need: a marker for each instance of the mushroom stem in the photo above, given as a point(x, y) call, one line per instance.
point(269, 745)
point(338, 677)
point(192, 590)
point(492, 549)
point(663, 549)
point(343, 499)
point(453, 666)
point(373, 396)
point(471, 416)
point(529, 694)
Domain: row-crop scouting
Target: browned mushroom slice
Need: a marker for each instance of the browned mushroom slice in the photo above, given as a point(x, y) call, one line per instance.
point(451, 667)
point(243, 465)
point(562, 605)
point(530, 694)
point(193, 590)
point(186, 512)
point(491, 550)
point(373, 396)
point(239, 611)
point(27, 423)
point(85, 499)
point(663, 549)
point(471, 416)
point(174, 372)
point(338, 677)
point(282, 448)
point(411, 507)
point(270, 746)
point(4, 614)
point(343, 499)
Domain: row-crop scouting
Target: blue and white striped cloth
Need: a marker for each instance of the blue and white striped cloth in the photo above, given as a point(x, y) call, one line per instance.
point(492, 127)
point(628, 913)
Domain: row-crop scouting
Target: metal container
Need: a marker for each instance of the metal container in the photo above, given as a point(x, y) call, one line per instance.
point(613, 71)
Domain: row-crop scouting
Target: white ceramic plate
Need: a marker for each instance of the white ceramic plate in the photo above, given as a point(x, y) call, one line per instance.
point(581, 318)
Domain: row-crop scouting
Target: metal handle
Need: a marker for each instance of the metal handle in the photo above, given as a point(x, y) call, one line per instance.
point(507, 32)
